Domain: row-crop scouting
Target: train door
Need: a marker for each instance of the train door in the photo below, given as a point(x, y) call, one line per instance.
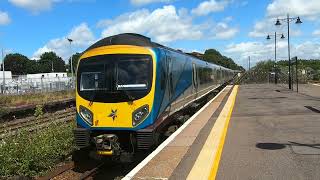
point(194, 80)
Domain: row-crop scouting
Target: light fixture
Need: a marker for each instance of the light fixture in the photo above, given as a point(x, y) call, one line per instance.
point(268, 37)
point(278, 23)
point(298, 20)
point(282, 36)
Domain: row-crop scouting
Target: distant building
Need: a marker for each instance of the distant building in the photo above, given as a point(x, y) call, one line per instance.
point(7, 74)
point(47, 75)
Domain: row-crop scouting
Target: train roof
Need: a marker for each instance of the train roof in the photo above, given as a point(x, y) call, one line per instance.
point(124, 39)
point(130, 39)
point(136, 40)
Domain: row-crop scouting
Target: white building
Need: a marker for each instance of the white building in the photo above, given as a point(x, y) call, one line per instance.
point(7, 74)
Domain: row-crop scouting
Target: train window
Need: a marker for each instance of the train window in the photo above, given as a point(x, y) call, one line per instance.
point(91, 81)
point(93, 78)
point(133, 74)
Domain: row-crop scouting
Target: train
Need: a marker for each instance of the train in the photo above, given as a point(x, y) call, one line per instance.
point(129, 88)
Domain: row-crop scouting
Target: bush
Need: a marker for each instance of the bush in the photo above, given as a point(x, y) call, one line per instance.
point(32, 154)
point(38, 112)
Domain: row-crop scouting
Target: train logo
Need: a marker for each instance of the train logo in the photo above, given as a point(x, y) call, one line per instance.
point(113, 114)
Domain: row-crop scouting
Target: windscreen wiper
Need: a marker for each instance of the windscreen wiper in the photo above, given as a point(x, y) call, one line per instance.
point(129, 96)
point(92, 97)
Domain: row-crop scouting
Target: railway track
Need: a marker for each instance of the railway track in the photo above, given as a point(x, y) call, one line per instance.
point(104, 169)
point(32, 123)
point(69, 170)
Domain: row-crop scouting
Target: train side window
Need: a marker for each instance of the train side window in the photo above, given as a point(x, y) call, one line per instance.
point(194, 75)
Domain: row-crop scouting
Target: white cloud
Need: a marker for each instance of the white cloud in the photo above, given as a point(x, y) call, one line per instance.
point(81, 36)
point(208, 7)
point(263, 51)
point(4, 18)
point(164, 24)
point(170, 25)
point(34, 6)
point(316, 32)
point(262, 28)
point(144, 2)
point(308, 49)
point(223, 31)
point(308, 9)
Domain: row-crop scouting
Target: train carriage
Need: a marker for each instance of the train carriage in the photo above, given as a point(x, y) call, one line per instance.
point(128, 87)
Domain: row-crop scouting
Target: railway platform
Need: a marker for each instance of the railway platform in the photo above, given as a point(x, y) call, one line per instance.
point(257, 131)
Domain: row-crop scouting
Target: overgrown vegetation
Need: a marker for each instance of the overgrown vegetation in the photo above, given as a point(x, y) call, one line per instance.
point(308, 70)
point(19, 64)
point(32, 154)
point(36, 98)
point(38, 112)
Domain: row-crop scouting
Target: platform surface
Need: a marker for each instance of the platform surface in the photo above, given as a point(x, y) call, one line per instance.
point(272, 133)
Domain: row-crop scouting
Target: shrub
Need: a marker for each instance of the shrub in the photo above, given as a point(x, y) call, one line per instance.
point(32, 154)
point(38, 112)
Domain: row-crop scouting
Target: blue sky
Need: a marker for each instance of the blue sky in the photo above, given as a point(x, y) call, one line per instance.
point(237, 28)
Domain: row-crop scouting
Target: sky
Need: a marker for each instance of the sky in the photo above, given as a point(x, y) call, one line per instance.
point(236, 28)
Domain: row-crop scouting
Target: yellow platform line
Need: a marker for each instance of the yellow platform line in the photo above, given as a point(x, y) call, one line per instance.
point(207, 163)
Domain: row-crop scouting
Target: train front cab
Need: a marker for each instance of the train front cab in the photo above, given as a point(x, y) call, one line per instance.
point(114, 97)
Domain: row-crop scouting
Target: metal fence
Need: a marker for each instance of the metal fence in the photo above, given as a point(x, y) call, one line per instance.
point(21, 85)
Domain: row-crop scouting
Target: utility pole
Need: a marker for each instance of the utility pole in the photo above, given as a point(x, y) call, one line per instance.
point(249, 63)
point(297, 79)
point(71, 62)
point(275, 58)
point(4, 74)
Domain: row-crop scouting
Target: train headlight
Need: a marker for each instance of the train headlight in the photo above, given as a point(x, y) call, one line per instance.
point(86, 114)
point(140, 114)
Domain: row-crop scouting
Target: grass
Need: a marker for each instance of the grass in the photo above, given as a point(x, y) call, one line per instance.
point(34, 99)
point(33, 154)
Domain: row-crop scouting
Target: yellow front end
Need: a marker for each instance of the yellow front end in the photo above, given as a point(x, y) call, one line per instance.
point(117, 115)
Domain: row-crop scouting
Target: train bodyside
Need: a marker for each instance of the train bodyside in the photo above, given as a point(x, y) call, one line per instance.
point(119, 121)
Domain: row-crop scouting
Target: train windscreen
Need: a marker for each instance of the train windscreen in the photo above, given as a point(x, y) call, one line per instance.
point(114, 78)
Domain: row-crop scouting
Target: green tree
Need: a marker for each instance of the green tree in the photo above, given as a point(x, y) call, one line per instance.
point(75, 60)
point(49, 61)
point(214, 56)
point(16, 63)
point(33, 67)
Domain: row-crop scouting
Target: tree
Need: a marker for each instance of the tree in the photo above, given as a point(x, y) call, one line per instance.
point(50, 61)
point(75, 60)
point(16, 63)
point(214, 56)
point(33, 67)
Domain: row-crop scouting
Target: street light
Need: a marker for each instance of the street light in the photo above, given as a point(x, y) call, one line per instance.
point(275, 53)
point(71, 63)
point(288, 20)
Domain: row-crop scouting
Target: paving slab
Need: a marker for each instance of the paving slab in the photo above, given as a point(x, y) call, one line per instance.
point(272, 135)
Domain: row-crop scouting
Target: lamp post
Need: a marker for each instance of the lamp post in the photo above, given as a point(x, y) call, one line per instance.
point(288, 20)
point(275, 53)
point(71, 63)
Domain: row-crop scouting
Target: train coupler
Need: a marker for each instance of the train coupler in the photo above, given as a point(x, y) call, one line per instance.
point(107, 145)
